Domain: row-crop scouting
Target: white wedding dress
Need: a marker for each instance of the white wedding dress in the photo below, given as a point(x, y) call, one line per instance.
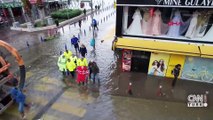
point(125, 19)
point(209, 34)
point(135, 27)
point(192, 27)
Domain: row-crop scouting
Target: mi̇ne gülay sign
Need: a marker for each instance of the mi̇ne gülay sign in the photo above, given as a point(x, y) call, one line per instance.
point(186, 2)
point(168, 2)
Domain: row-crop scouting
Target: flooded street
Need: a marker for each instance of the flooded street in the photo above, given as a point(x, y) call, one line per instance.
point(52, 99)
point(45, 85)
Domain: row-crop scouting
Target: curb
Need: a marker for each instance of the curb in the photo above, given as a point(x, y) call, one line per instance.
point(73, 20)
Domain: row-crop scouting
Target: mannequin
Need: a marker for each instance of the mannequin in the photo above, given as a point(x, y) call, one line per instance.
point(193, 26)
point(146, 23)
point(125, 18)
point(135, 27)
point(174, 25)
point(156, 23)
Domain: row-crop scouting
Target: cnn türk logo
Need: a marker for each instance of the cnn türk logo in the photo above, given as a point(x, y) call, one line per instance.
point(197, 100)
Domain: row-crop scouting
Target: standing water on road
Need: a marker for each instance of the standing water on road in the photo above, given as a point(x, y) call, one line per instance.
point(52, 99)
point(44, 83)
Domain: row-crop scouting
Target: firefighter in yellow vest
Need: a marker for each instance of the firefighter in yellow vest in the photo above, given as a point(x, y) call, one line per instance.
point(71, 66)
point(82, 62)
point(67, 54)
point(62, 63)
point(74, 58)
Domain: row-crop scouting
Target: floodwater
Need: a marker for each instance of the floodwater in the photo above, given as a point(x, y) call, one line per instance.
point(45, 86)
point(52, 99)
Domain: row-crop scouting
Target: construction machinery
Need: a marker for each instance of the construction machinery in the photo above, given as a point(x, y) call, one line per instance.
point(7, 80)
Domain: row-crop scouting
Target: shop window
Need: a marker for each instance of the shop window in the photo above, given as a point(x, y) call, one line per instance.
point(171, 23)
point(158, 64)
point(198, 69)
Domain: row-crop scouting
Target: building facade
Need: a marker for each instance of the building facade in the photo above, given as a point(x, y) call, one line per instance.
point(156, 35)
point(11, 10)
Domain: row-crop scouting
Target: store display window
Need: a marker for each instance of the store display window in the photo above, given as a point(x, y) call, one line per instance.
point(168, 22)
point(126, 60)
point(198, 69)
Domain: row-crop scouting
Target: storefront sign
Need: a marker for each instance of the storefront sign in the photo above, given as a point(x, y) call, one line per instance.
point(10, 5)
point(185, 3)
point(193, 3)
point(7, 1)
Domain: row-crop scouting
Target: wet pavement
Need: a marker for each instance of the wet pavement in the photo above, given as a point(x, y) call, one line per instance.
point(52, 99)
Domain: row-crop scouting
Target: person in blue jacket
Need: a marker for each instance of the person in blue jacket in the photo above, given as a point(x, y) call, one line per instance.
point(19, 98)
point(94, 24)
point(75, 41)
point(13, 93)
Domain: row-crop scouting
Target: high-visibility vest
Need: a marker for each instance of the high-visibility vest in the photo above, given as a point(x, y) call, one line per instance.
point(67, 55)
point(82, 62)
point(62, 63)
point(74, 59)
point(71, 66)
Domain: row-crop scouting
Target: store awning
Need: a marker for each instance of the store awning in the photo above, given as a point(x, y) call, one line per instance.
point(10, 5)
point(206, 51)
point(158, 46)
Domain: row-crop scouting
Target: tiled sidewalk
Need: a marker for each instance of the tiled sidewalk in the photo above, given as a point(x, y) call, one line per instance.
point(146, 86)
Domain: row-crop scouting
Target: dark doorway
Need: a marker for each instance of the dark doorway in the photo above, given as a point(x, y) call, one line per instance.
point(140, 61)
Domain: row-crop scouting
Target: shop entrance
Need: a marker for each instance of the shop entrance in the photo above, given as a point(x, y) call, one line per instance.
point(140, 61)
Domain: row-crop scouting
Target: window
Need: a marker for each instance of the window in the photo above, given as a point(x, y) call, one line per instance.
point(169, 23)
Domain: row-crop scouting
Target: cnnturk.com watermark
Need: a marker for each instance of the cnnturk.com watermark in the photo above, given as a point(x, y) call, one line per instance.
point(197, 100)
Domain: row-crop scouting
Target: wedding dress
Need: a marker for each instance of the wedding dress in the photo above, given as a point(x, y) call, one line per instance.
point(135, 27)
point(174, 25)
point(146, 23)
point(193, 26)
point(208, 35)
point(156, 23)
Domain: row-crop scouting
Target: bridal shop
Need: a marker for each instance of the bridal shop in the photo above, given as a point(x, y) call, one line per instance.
point(153, 37)
point(169, 23)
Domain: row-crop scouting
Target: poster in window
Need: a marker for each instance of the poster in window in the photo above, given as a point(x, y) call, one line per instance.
point(126, 60)
point(198, 69)
point(158, 64)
